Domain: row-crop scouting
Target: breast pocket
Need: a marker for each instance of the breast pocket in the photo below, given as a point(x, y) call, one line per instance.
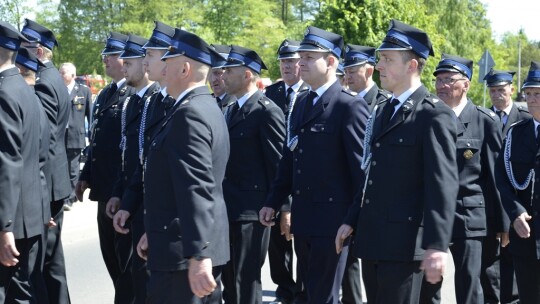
point(468, 151)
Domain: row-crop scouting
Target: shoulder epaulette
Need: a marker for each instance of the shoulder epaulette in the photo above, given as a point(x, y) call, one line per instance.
point(266, 102)
point(385, 93)
point(348, 92)
point(522, 109)
point(487, 112)
point(519, 123)
point(432, 99)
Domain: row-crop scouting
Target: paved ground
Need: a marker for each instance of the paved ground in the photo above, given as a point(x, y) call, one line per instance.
point(88, 280)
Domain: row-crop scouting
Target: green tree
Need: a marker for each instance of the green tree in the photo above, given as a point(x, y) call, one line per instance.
point(12, 11)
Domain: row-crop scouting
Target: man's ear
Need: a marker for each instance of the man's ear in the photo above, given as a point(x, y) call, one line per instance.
point(369, 70)
point(413, 65)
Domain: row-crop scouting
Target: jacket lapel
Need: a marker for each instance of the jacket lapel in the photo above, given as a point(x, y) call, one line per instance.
point(322, 103)
point(512, 117)
point(403, 112)
point(464, 118)
point(245, 109)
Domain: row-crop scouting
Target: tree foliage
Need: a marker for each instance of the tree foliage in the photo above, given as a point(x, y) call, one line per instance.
point(457, 27)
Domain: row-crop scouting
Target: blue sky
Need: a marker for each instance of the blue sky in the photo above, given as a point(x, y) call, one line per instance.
point(511, 15)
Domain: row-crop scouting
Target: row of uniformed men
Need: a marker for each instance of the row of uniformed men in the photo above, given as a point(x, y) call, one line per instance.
point(34, 165)
point(320, 110)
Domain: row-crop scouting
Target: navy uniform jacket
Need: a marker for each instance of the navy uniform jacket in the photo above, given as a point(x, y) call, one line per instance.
point(412, 185)
point(44, 143)
point(130, 157)
point(185, 213)
point(227, 101)
point(79, 108)
point(104, 157)
point(517, 113)
point(278, 94)
point(524, 157)
point(256, 133)
point(21, 209)
point(54, 97)
point(375, 96)
point(479, 142)
point(323, 173)
point(159, 104)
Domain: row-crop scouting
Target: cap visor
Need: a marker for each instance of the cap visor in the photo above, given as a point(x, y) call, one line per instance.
point(170, 54)
point(347, 65)
point(388, 46)
point(155, 46)
point(130, 55)
point(498, 83)
point(288, 56)
point(232, 65)
point(311, 48)
point(531, 84)
point(446, 69)
point(110, 51)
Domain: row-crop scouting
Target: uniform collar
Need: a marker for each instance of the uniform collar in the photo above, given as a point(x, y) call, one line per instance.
point(242, 100)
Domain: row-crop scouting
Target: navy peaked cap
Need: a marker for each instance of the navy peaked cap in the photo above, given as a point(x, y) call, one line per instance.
point(134, 47)
point(403, 37)
point(498, 78)
point(340, 70)
point(319, 40)
point(533, 77)
point(241, 56)
point(36, 32)
point(115, 44)
point(452, 63)
point(288, 49)
point(161, 37)
point(28, 60)
point(358, 54)
point(223, 51)
point(10, 37)
point(190, 45)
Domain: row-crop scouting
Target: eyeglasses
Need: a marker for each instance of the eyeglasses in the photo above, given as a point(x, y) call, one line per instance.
point(447, 81)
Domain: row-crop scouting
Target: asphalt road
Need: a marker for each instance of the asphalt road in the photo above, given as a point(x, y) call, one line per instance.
point(89, 282)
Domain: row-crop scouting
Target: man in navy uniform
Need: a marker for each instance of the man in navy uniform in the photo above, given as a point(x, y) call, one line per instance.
point(403, 221)
point(359, 66)
point(257, 132)
point(320, 167)
point(100, 171)
point(479, 141)
point(80, 108)
point(21, 209)
point(186, 238)
point(501, 90)
point(516, 169)
point(137, 78)
point(216, 78)
point(54, 96)
point(153, 112)
point(280, 250)
point(497, 277)
point(283, 92)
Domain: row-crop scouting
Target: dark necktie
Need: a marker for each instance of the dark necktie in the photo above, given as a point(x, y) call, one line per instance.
point(218, 101)
point(309, 102)
point(112, 89)
point(538, 136)
point(501, 115)
point(232, 112)
point(388, 111)
point(289, 95)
